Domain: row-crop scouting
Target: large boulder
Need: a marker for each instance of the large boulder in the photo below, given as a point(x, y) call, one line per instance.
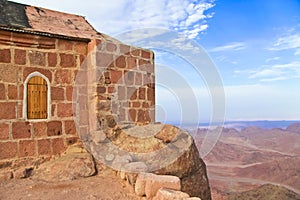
point(75, 163)
point(164, 149)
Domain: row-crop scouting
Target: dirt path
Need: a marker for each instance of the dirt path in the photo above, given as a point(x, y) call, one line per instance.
point(99, 187)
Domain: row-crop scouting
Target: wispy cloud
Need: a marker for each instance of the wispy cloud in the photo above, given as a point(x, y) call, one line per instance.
point(297, 52)
point(272, 59)
point(266, 73)
point(188, 17)
point(277, 72)
point(185, 16)
point(236, 46)
point(291, 41)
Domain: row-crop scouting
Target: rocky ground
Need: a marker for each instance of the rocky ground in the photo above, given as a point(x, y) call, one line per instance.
point(100, 187)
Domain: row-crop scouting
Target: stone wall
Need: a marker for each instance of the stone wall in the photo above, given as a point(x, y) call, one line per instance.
point(60, 59)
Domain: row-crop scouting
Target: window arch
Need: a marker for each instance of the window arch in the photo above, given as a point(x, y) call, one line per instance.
point(36, 103)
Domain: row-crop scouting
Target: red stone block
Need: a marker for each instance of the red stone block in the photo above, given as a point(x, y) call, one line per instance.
point(53, 110)
point(129, 78)
point(101, 90)
point(142, 93)
point(135, 52)
point(63, 76)
point(44, 147)
point(146, 105)
point(111, 89)
point(7, 110)
point(69, 93)
point(20, 110)
point(37, 58)
point(65, 45)
point(147, 79)
point(8, 150)
point(136, 104)
point(21, 130)
point(54, 128)
point(5, 56)
point(65, 110)
point(70, 128)
point(2, 91)
point(104, 59)
point(21, 91)
point(12, 92)
point(46, 42)
point(131, 62)
point(5, 35)
point(146, 54)
point(121, 62)
point(122, 115)
point(4, 131)
point(111, 47)
point(132, 93)
point(67, 60)
point(124, 49)
point(52, 59)
point(57, 93)
point(141, 116)
point(24, 40)
point(58, 146)
point(138, 81)
point(116, 76)
point(40, 129)
point(151, 94)
point(121, 93)
point(26, 148)
point(132, 115)
point(29, 70)
point(80, 48)
point(146, 65)
point(20, 57)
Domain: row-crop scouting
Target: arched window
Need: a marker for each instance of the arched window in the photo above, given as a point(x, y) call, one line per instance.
point(36, 98)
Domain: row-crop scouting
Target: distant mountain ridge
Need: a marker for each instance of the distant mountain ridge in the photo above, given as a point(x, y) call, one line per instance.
point(239, 125)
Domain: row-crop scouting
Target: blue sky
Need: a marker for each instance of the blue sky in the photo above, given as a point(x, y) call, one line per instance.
point(254, 45)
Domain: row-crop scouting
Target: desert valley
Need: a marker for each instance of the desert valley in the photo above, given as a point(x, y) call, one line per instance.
point(254, 159)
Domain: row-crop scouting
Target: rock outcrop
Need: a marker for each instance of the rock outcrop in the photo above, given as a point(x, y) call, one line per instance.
point(154, 148)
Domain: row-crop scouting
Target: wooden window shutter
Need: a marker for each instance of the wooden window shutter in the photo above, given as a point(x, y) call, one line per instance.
point(37, 98)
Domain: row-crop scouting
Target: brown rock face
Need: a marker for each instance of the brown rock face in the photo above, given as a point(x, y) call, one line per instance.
point(191, 169)
point(164, 149)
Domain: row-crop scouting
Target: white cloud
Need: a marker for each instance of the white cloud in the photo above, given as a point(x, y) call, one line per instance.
point(297, 52)
point(290, 41)
point(274, 79)
point(229, 47)
point(117, 16)
point(272, 59)
point(266, 73)
point(276, 72)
